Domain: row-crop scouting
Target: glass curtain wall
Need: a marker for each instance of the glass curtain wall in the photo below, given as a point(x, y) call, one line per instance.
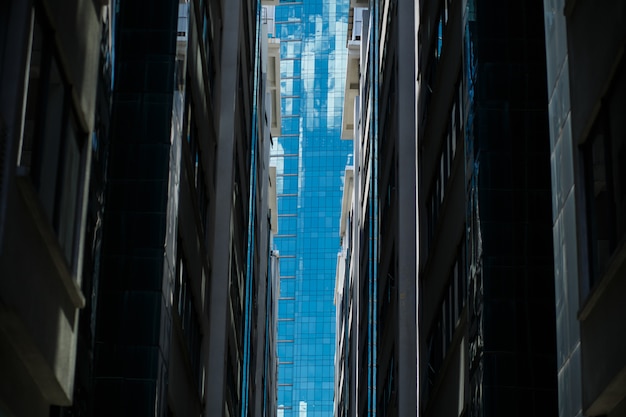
point(310, 159)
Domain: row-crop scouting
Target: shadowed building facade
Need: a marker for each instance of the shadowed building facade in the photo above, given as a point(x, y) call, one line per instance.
point(377, 270)
point(134, 160)
point(586, 76)
point(175, 286)
point(487, 324)
point(49, 60)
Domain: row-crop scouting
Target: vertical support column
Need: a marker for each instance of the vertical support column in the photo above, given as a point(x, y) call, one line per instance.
point(222, 233)
point(407, 205)
point(565, 231)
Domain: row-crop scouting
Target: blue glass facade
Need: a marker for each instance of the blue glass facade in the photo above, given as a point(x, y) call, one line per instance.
point(310, 159)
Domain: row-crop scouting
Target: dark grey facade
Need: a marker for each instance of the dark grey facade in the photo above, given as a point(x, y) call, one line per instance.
point(49, 82)
point(377, 279)
point(586, 90)
point(487, 322)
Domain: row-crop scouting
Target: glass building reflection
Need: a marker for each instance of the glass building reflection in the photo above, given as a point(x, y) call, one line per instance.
point(310, 158)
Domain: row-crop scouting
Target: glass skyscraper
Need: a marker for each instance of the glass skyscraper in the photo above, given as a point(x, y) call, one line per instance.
point(310, 159)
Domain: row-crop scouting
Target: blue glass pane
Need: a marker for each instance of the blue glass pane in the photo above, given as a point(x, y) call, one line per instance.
point(288, 288)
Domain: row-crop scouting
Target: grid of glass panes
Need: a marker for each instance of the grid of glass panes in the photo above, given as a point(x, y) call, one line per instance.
point(310, 158)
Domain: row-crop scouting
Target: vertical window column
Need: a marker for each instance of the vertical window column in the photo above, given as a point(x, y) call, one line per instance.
point(51, 151)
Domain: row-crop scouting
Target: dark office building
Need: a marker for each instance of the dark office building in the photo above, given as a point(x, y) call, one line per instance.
point(376, 280)
point(487, 322)
point(134, 162)
point(174, 288)
point(149, 303)
point(586, 71)
point(49, 59)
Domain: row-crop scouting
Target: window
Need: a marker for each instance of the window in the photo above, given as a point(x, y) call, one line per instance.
point(447, 320)
point(446, 161)
point(197, 176)
point(605, 180)
point(52, 148)
point(441, 22)
point(389, 387)
point(185, 306)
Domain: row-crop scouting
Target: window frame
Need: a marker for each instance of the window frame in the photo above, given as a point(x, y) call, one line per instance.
point(604, 134)
point(50, 123)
